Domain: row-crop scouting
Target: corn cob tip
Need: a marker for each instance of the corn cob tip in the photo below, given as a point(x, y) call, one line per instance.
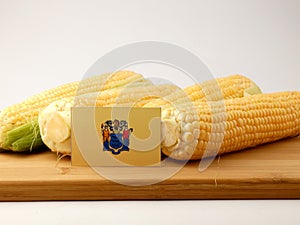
point(252, 90)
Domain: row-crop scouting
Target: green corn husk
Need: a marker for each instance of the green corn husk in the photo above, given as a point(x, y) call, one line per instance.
point(25, 138)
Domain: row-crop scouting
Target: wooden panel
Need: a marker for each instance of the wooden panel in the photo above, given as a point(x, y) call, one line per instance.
point(268, 171)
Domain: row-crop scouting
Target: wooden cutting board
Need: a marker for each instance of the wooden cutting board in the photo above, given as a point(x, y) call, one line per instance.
point(267, 171)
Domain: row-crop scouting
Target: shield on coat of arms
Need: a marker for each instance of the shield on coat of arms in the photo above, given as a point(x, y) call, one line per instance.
point(115, 136)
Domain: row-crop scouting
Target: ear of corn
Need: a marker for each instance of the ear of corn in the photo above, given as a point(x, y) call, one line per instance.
point(19, 114)
point(243, 123)
point(24, 115)
point(234, 86)
point(55, 120)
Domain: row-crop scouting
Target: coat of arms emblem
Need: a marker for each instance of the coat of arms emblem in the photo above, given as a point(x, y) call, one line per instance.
point(116, 135)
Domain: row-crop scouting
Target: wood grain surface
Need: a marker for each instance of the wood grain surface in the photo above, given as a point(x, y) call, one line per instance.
point(270, 171)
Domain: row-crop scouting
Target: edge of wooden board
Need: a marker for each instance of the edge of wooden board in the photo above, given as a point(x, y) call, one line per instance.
point(261, 173)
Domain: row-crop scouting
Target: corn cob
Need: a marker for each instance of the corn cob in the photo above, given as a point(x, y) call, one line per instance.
point(55, 120)
point(18, 122)
point(247, 122)
point(234, 86)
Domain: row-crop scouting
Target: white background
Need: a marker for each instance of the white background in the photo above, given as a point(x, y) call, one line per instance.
point(46, 43)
